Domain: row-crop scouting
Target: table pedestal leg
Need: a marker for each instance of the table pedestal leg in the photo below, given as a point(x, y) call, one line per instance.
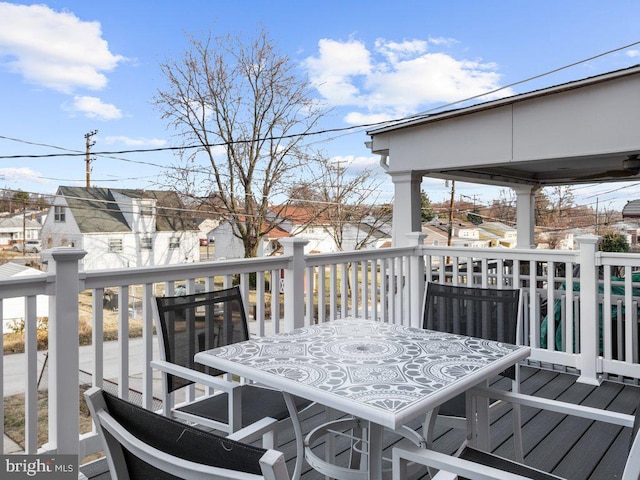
point(375, 451)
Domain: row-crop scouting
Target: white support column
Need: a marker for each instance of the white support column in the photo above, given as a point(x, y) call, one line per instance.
point(417, 280)
point(406, 206)
point(294, 283)
point(525, 211)
point(64, 403)
point(589, 326)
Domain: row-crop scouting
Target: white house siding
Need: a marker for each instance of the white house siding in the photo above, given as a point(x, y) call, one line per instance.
point(132, 255)
point(354, 234)
point(472, 233)
point(131, 208)
point(319, 239)
point(227, 245)
point(61, 234)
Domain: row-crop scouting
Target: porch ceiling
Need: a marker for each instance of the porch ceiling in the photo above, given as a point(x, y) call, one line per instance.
point(580, 132)
point(617, 167)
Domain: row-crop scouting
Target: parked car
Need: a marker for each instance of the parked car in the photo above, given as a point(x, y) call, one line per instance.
point(31, 246)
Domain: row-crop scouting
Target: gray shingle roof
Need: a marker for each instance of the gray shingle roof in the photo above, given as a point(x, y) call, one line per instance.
point(96, 210)
point(18, 222)
point(631, 209)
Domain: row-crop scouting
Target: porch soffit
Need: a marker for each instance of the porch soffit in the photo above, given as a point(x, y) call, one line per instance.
point(580, 132)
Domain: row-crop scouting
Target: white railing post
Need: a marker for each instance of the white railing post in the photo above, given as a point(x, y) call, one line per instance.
point(294, 283)
point(417, 280)
point(589, 331)
point(63, 367)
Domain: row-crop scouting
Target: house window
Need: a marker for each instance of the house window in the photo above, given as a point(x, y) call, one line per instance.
point(115, 245)
point(146, 243)
point(58, 214)
point(146, 209)
point(174, 242)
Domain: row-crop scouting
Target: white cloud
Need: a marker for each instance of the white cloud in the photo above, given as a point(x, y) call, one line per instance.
point(359, 163)
point(359, 118)
point(337, 62)
point(396, 79)
point(53, 49)
point(13, 174)
point(394, 51)
point(93, 107)
point(442, 41)
point(219, 151)
point(134, 142)
point(633, 53)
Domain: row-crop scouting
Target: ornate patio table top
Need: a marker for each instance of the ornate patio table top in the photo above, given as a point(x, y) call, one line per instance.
point(384, 373)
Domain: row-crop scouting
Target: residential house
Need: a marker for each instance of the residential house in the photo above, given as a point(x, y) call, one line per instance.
point(631, 210)
point(463, 234)
point(122, 228)
point(503, 234)
point(435, 237)
point(228, 246)
point(206, 226)
point(14, 228)
point(295, 221)
point(630, 228)
point(320, 231)
point(559, 240)
point(366, 235)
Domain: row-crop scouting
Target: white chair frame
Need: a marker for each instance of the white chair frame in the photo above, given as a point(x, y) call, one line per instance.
point(272, 463)
point(450, 466)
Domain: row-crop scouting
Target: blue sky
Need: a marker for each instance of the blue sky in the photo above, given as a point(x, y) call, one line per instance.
point(70, 67)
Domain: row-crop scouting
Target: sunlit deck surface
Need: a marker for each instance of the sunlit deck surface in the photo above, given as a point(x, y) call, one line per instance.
point(569, 447)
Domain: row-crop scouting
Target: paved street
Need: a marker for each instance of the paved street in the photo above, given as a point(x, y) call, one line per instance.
point(14, 365)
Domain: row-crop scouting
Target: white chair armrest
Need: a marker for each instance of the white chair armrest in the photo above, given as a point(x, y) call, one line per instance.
point(194, 375)
point(445, 463)
point(565, 408)
point(255, 431)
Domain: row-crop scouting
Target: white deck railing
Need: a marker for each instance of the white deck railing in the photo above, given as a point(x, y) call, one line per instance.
point(580, 309)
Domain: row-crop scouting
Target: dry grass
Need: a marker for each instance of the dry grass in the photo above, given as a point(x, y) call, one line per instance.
point(14, 341)
point(14, 417)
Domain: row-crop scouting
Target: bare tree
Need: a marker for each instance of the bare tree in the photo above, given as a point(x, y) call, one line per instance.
point(503, 209)
point(243, 113)
point(346, 201)
point(562, 199)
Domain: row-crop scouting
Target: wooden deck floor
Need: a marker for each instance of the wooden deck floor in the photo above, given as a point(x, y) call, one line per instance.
point(572, 448)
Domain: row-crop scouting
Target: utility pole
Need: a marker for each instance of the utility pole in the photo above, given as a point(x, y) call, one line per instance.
point(450, 231)
point(24, 228)
point(89, 143)
point(597, 226)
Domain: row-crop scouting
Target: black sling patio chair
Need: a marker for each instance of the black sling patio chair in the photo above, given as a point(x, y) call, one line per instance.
point(141, 444)
point(189, 324)
point(474, 464)
point(487, 313)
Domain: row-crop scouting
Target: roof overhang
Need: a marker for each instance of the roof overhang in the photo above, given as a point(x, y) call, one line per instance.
point(584, 131)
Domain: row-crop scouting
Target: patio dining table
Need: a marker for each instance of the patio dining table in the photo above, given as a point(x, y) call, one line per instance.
point(382, 373)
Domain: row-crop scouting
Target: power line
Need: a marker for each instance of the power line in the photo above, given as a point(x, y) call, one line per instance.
point(107, 203)
point(398, 121)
